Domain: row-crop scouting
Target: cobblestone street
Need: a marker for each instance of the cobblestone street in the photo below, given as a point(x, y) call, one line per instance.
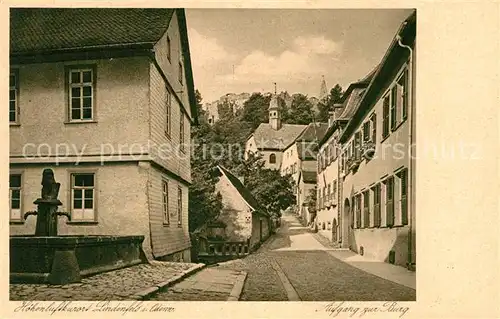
point(309, 272)
point(120, 284)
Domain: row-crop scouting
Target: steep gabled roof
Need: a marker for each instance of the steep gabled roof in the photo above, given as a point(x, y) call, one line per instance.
point(53, 29)
point(243, 191)
point(313, 132)
point(392, 59)
point(351, 102)
point(268, 138)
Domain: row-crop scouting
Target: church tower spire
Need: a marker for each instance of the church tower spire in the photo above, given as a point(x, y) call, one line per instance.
point(274, 112)
point(323, 91)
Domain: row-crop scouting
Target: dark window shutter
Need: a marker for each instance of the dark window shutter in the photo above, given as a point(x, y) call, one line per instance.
point(374, 128)
point(404, 194)
point(385, 117)
point(390, 213)
point(394, 99)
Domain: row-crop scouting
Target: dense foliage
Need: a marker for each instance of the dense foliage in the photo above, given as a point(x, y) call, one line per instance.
point(223, 143)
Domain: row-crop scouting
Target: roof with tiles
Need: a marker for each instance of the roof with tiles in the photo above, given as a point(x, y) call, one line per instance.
point(243, 191)
point(268, 138)
point(54, 29)
point(313, 132)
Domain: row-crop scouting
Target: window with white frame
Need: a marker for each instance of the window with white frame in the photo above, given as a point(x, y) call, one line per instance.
point(179, 206)
point(81, 94)
point(402, 86)
point(168, 110)
point(166, 216)
point(394, 107)
point(13, 97)
point(15, 184)
point(83, 197)
point(403, 193)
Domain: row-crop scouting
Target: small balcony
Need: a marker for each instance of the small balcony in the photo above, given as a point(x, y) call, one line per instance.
point(368, 150)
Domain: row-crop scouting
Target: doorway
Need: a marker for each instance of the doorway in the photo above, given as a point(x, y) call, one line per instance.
point(348, 222)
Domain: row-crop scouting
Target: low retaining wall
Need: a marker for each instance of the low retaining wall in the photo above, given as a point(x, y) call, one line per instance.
point(65, 259)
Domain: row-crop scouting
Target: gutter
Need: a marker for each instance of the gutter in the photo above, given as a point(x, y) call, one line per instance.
point(411, 262)
point(344, 135)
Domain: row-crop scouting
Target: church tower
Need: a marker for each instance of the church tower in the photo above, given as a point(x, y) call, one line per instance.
point(323, 91)
point(274, 112)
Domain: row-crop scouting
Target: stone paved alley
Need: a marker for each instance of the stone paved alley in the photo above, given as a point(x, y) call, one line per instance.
point(293, 265)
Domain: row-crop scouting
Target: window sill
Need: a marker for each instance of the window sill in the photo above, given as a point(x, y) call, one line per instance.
point(179, 225)
point(79, 122)
point(14, 124)
point(167, 135)
point(166, 224)
point(82, 222)
point(384, 138)
point(16, 222)
point(398, 226)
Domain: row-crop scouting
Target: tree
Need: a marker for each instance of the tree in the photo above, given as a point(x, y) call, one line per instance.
point(226, 111)
point(301, 110)
point(204, 203)
point(272, 190)
point(256, 110)
point(326, 105)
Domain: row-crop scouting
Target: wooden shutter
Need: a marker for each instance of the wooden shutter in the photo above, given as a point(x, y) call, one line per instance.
point(366, 210)
point(385, 118)
point(404, 105)
point(389, 202)
point(404, 194)
point(374, 128)
point(376, 210)
point(394, 102)
point(358, 211)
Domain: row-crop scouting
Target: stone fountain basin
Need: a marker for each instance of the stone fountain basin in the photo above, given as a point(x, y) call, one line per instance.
point(65, 259)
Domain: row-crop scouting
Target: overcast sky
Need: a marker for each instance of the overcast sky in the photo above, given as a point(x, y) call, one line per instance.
point(246, 50)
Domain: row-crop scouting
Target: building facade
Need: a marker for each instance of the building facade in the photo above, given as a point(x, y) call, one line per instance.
point(271, 139)
point(110, 111)
point(330, 177)
point(299, 160)
point(377, 163)
point(244, 218)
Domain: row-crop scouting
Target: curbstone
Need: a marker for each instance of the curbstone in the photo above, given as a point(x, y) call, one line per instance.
point(238, 287)
point(143, 294)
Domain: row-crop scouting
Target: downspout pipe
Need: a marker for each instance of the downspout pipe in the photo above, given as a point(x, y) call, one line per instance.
point(411, 262)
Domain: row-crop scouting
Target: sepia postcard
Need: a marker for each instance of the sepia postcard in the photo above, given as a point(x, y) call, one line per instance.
point(267, 161)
